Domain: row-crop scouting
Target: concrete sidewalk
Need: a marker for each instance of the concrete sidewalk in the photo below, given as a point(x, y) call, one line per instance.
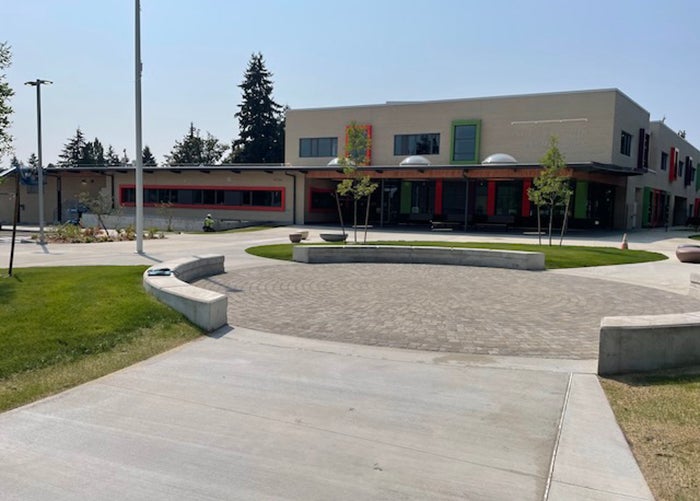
point(254, 415)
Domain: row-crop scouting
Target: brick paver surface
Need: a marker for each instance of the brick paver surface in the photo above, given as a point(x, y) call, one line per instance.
point(441, 308)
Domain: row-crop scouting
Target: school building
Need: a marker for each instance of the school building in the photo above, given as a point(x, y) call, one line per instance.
point(464, 162)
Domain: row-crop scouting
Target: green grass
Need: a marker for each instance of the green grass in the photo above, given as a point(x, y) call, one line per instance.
point(64, 326)
point(660, 416)
point(555, 257)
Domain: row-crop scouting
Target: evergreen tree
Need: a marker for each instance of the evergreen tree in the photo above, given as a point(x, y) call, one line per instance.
point(6, 93)
point(260, 118)
point(87, 155)
point(111, 157)
point(14, 162)
point(33, 161)
point(73, 151)
point(193, 149)
point(147, 157)
point(98, 153)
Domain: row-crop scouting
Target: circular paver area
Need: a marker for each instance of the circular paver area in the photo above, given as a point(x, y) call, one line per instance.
point(441, 308)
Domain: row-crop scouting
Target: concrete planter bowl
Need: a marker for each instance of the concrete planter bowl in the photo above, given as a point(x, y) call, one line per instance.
point(295, 238)
point(688, 253)
point(333, 237)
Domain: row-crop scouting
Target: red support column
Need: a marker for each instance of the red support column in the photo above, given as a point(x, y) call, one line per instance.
point(491, 198)
point(525, 207)
point(438, 197)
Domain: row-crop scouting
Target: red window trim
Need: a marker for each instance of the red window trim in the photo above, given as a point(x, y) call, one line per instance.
point(262, 208)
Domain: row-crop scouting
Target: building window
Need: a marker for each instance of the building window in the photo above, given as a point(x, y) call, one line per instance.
point(626, 143)
point(245, 198)
point(465, 141)
point(664, 160)
point(322, 200)
point(417, 144)
point(318, 147)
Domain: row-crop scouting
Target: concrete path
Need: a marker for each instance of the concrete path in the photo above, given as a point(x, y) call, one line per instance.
point(247, 414)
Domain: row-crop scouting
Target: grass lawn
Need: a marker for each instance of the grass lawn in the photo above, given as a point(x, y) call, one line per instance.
point(660, 415)
point(566, 256)
point(60, 327)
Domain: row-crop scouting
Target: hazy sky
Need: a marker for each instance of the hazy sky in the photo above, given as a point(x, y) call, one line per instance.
point(330, 53)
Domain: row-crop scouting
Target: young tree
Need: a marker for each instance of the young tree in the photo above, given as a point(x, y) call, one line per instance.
point(102, 205)
point(6, 93)
point(357, 185)
point(551, 187)
point(260, 118)
point(74, 151)
point(147, 157)
point(193, 149)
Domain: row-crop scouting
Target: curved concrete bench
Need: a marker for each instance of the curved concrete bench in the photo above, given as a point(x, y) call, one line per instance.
point(648, 343)
point(462, 256)
point(168, 283)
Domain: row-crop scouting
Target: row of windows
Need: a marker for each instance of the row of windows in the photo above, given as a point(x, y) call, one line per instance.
point(464, 150)
point(266, 199)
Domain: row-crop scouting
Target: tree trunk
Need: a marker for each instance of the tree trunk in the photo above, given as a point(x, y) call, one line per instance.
point(366, 219)
point(566, 220)
point(551, 221)
point(340, 212)
point(539, 225)
point(354, 219)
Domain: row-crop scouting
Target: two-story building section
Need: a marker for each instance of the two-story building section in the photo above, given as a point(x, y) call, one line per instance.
point(473, 160)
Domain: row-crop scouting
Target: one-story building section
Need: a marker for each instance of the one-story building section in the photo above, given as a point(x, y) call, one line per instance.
point(463, 162)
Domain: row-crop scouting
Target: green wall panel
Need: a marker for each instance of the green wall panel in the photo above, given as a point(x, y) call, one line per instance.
point(581, 200)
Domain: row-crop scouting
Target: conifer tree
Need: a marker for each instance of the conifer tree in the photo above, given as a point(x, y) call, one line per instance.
point(147, 157)
point(193, 149)
point(111, 157)
point(260, 118)
point(73, 151)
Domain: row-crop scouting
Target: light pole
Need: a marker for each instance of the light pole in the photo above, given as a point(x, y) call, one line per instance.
point(40, 168)
point(138, 160)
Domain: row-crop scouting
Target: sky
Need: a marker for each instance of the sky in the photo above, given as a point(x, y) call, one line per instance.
point(330, 53)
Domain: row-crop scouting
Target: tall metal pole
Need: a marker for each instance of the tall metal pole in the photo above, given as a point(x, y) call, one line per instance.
point(40, 168)
point(138, 160)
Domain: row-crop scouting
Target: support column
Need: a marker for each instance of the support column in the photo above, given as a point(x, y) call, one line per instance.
point(491, 198)
point(437, 207)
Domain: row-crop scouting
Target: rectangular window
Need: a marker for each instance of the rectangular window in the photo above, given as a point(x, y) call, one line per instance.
point(225, 198)
point(321, 200)
point(664, 160)
point(417, 144)
point(318, 147)
point(465, 141)
point(626, 143)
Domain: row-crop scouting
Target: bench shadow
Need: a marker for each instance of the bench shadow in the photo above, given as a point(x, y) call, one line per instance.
point(220, 285)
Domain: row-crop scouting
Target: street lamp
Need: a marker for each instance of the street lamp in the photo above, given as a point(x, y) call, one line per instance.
point(40, 168)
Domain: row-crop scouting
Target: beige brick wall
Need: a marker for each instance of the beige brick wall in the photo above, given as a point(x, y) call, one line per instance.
point(517, 125)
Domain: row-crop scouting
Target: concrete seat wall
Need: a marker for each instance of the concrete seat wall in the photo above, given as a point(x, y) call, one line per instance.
point(206, 309)
point(419, 255)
